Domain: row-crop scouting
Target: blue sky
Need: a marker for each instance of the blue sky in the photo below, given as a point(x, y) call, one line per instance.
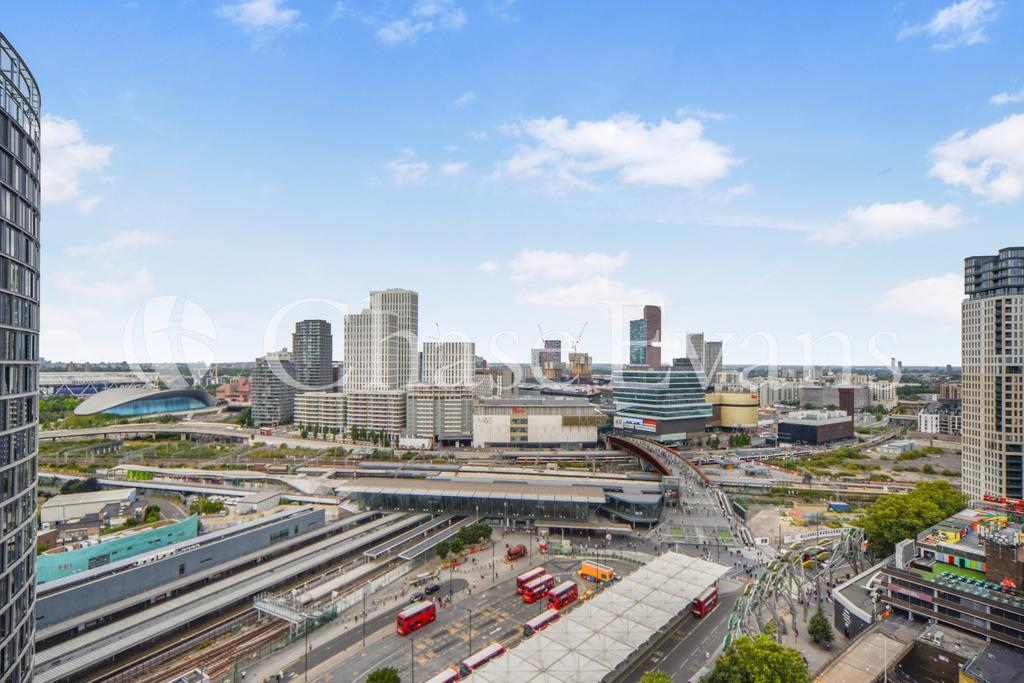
point(766, 169)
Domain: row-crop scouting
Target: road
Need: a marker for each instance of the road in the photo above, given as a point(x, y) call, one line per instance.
point(682, 653)
point(498, 613)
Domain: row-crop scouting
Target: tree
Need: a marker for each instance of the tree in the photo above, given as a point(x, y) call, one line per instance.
point(385, 674)
point(820, 628)
point(655, 677)
point(894, 517)
point(456, 545)
point(443, 548)
point(353, 432)
point(759, 659)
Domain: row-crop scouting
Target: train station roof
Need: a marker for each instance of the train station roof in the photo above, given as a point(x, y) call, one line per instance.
point(472, 489)
point(599, 636)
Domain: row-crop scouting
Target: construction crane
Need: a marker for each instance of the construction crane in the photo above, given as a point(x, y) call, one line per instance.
point(579, 336)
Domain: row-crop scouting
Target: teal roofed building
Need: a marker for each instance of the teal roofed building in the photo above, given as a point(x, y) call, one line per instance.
point(82, 555)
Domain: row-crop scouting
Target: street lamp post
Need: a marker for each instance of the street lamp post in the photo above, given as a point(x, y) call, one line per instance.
point(305, 654)
point(364, 618)
point(412, 660)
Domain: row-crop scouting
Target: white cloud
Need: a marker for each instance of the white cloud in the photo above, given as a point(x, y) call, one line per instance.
point(730, 193)
point(463, 99)
point(87, 204)
point(454, 167)
point(962, 23)
point(477, 134)
point(932, 297)
point(62, 328)
point(669, 153)
point(489, 266)
point(889, 222)
point(408, 170)
point(260, 16)
point(502, 9)
point(989, 162)
point(68, 159)
point(702, 114)
point(530, 264)
point(589, 291)
point(95, 291)
point(121, 242)
point(426, 16)
point(1006, 97)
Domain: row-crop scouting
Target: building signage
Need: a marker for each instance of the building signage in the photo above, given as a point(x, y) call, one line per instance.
point(635, 423)
point(895, 587)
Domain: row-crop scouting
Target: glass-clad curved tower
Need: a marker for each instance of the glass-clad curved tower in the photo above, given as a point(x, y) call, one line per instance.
point(19, 359)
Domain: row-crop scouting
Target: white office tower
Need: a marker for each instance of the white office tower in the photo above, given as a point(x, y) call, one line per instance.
point(405, 306)
point(372, 358)
point(993, 375)
point(449, 363)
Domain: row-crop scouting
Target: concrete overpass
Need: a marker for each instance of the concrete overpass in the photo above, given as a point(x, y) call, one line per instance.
point(666, 461)
point(185, 427)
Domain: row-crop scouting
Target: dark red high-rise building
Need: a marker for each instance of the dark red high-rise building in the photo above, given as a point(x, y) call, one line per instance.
point(847, 400)
point(652, 318)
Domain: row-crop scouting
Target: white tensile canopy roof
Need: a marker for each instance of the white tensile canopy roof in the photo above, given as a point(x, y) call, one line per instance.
point(594, 639)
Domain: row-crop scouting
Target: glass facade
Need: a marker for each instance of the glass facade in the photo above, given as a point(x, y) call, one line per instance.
point(19, 359)
point(488, 505)
point(999, 275)
point(673, 393)
point(153, 406)
point(638, 342)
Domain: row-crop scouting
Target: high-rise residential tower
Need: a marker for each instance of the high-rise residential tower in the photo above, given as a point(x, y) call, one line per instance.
point(652, 322)
point(312, 346)
point(273, 389)
point(449, 363)
point(992, 347)
point(19, 391)
point(712, 362)
point(405, 306)
point(695, 350)
point(372, 351)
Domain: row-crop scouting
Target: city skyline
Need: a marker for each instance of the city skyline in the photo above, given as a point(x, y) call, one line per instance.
point(804, 182)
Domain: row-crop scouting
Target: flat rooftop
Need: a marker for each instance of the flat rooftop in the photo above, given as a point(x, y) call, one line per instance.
point(105, 496)
point(555, 401)
point(473, 489)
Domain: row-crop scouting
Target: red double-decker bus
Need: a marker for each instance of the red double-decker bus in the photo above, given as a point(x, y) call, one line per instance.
point(538, 588)
point(706, 602)
point(540, 622)
point(563, 594)
point(446, 676)
point(474, 662)
point(415, 616)
point(529, 576)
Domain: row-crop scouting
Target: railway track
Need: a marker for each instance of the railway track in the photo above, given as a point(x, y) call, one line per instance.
point(208, 649)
